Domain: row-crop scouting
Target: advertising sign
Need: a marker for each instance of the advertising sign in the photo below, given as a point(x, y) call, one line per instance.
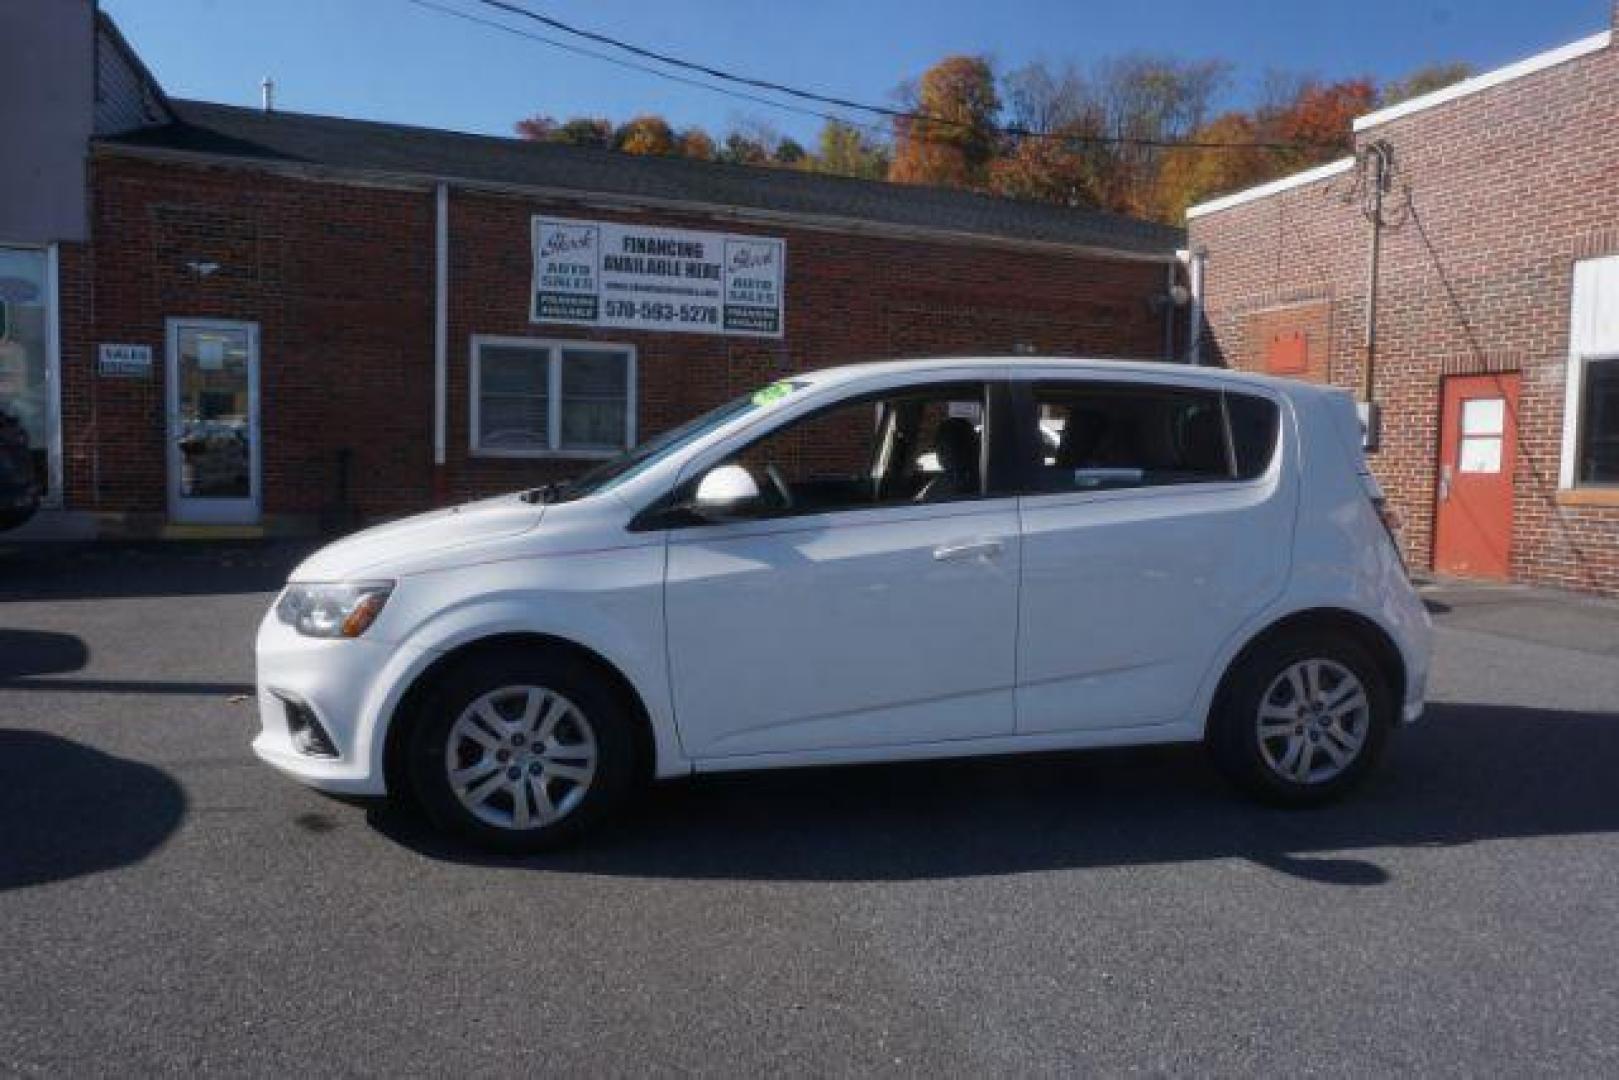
point(632, 277)
point(124, 360)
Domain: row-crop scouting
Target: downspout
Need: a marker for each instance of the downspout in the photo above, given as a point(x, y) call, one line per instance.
point(1194, 311)
point(441, 335)
point(1378, 152)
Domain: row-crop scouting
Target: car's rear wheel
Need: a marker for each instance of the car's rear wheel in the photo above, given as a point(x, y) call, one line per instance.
point(1301, 720)
point(521, 753)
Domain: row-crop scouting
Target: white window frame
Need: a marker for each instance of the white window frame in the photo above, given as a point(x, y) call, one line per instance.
point(553, 423)
point(1574, 422)
point(1593, 337)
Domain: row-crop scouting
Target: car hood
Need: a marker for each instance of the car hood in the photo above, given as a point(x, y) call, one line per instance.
point(374, 551)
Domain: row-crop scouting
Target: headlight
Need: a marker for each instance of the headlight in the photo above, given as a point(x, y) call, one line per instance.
point(333, 611)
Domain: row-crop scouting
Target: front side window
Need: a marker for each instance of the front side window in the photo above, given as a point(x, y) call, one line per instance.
point(1597, 463)
point(539, 398)
point(1099, 436)
point(913, 446)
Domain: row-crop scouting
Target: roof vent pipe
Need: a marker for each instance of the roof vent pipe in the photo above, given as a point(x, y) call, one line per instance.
point(267, 93)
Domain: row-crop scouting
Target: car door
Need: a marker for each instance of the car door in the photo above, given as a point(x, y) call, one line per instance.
point(880, 609)
point(1157, 519)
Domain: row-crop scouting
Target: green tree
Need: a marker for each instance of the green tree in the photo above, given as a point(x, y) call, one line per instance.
point(586, 131)
point(1424, 80)
point(740, 149)
point(789, 152)
point(845, 150)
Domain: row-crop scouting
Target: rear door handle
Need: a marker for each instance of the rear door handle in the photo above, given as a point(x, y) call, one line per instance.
point(970, 549)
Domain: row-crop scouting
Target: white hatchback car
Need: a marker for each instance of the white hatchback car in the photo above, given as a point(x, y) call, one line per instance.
point(872, 563)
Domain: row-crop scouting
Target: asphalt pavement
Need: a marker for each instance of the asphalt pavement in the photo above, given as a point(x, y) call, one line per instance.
point(166, 903)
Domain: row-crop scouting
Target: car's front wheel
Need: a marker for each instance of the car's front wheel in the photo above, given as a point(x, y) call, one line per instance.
point(520, 753)
point(1302, 719)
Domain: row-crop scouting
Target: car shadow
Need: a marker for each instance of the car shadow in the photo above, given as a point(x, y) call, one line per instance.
point(39, 652)
point(67, 810)
point(1466, 773)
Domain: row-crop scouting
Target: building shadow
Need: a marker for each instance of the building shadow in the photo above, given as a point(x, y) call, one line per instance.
point(67, 810)
point(1466, 773)
point(103, 569)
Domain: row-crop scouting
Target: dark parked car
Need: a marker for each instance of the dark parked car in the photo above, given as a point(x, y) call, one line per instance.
point(19, 489)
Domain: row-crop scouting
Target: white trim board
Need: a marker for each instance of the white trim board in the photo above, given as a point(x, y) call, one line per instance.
point(1528, 66)
point(1593, 335)
point(1286, 183)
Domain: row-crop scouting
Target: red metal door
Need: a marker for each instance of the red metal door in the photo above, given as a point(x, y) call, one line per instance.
point(1478, 445)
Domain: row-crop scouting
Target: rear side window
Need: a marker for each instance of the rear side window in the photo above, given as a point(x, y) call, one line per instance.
point(1254, 424)
point(1100, 436)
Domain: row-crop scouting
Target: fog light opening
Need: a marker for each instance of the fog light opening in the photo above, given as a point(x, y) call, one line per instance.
point(308, 736)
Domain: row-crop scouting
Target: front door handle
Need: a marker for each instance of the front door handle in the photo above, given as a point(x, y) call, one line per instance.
point(970, 549)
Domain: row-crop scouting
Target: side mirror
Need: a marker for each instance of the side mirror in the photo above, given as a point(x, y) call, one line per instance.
point(725, 492)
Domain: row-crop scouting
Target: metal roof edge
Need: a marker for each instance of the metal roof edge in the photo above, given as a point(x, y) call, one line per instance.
point(1527, 66)
point(605, 200)
point(1273, 187)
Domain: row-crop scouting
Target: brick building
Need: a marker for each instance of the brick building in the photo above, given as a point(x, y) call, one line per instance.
point(1494, 352)
point(271, 321)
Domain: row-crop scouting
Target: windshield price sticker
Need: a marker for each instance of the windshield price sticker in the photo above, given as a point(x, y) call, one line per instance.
point(603, 273)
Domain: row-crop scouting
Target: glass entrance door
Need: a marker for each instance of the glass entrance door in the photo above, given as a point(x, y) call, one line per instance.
point(213, 444)
point(28, 456)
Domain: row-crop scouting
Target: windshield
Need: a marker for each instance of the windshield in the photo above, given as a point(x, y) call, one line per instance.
point(634, 461)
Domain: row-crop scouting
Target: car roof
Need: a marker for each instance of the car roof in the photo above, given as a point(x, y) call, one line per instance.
point(1024, 366)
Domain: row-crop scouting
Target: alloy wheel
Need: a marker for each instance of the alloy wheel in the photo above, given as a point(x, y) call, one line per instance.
point(521, 757)
point(1313, 721)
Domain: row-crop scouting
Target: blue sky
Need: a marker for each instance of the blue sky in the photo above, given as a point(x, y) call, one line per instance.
point(389, 60)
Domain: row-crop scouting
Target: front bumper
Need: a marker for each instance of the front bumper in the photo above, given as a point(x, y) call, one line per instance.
point(343, 683)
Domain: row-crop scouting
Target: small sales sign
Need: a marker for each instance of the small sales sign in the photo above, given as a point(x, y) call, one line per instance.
point(603, 273)
point(126, 361)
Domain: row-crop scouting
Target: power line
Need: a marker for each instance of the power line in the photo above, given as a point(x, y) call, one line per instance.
point(839, 102)
point(444, 9)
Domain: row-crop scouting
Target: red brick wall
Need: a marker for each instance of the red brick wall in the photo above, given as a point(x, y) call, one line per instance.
point(340, 279)
point(341, 289)
point(1495, 196)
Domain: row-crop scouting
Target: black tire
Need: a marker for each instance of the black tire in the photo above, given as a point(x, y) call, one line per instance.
point(1253, 761)
point(595, 705)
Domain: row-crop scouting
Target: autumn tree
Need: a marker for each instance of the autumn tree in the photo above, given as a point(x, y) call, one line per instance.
point(536, 128)
point(580, 131)
point(1041, 99)
point(1145, 101)
point(955, 134)
point(1064, 166)
point(1318, 124)
point(695, 143)
point(645, 135)
point(1233, 159)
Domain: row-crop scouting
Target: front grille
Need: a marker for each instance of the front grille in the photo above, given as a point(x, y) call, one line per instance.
point(308, 736)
